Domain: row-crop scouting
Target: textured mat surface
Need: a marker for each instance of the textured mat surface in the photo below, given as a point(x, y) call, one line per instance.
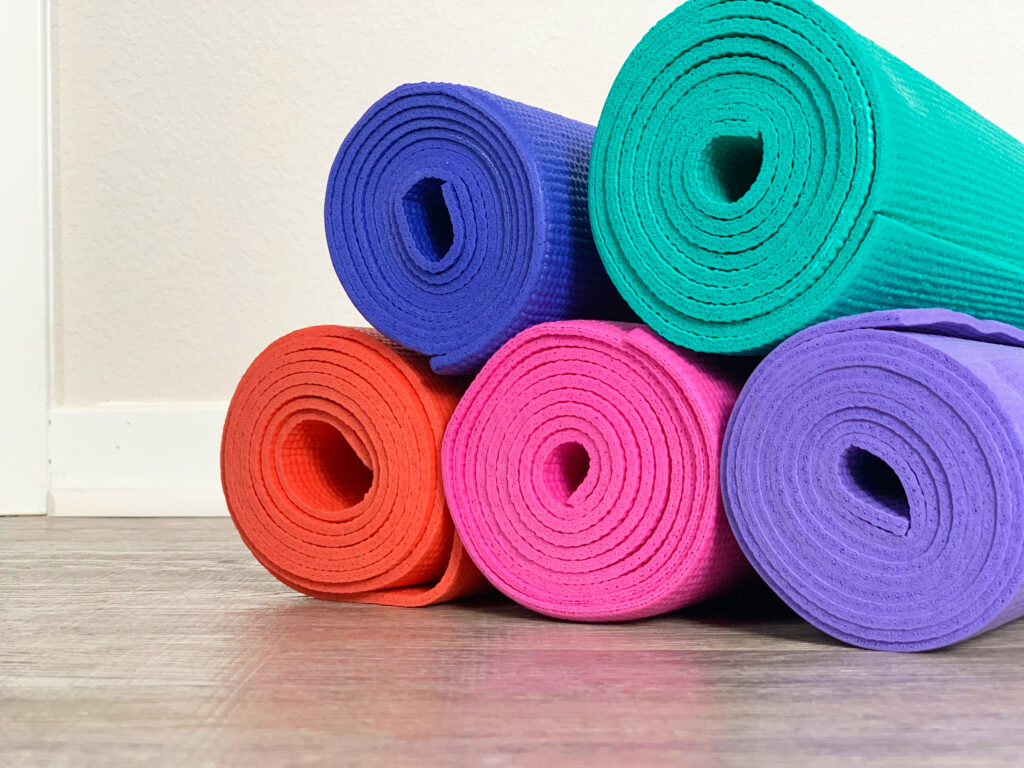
point(582, 472)
point(331, 469)
point(759, 167)
point(456, 218)
point(874, 474)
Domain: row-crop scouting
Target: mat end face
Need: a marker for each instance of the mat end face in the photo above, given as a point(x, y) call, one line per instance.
point(732, 166)
point(872, 472)
point(330, 463)
point(582, 473)
point(456, 218)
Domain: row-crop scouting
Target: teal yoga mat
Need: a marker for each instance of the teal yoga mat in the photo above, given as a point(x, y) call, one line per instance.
point(760, 167)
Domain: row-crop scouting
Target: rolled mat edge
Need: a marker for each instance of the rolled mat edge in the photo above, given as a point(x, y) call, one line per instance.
point(330, 465)
point(581, 469)
point(760, 167)
point(873, 473)
point(456, 218)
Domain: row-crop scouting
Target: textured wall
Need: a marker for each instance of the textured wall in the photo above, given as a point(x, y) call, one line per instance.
point(193, 141)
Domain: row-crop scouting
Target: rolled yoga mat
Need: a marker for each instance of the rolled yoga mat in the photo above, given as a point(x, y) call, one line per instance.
point(873, 472)
point(330, 463)
point(759, 167)
point(582, 471)
point(456, 218)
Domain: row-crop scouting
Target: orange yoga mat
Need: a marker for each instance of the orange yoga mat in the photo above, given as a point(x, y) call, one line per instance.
point(330, 463)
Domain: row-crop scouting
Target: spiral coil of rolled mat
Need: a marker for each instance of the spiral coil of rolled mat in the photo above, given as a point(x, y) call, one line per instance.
point(330, 462)
point(759, 167)
point(456, 218)
point(582, 471)
point(873, 472)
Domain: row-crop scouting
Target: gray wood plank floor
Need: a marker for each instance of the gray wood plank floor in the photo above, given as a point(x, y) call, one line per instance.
point(162, 642)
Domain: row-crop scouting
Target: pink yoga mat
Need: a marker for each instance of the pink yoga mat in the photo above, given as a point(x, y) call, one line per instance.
point(582, 471)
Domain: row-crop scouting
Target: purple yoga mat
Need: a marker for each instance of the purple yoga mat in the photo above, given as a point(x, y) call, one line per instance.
point(873, 473)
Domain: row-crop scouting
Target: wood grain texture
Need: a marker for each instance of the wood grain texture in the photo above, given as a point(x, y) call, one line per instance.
point(162, 642)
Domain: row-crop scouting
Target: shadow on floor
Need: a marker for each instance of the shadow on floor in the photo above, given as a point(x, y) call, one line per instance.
point(754, 610)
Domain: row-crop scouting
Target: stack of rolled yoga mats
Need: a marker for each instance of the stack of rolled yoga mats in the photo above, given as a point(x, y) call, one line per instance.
point(759, 171)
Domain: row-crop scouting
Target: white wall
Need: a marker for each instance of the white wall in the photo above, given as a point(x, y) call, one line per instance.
point(192, 140)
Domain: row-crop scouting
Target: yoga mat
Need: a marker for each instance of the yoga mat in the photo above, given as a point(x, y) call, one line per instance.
point(873, 472)
point(456, 218)
point(582, 472)
point(330, 463)
point(759, 167)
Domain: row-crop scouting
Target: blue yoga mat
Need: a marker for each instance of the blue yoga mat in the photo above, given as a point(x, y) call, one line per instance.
point(456, 218)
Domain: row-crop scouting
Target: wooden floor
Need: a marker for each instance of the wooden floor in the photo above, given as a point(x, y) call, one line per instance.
point(161, 642)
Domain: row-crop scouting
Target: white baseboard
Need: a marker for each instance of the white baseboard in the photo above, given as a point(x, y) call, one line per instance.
point(136, 460)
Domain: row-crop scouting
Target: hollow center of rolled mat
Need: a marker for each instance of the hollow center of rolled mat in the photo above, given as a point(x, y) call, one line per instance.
point(879, 490)
point(730, 166)
point(565, 469)
point(320, 468)
point(428, 218)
